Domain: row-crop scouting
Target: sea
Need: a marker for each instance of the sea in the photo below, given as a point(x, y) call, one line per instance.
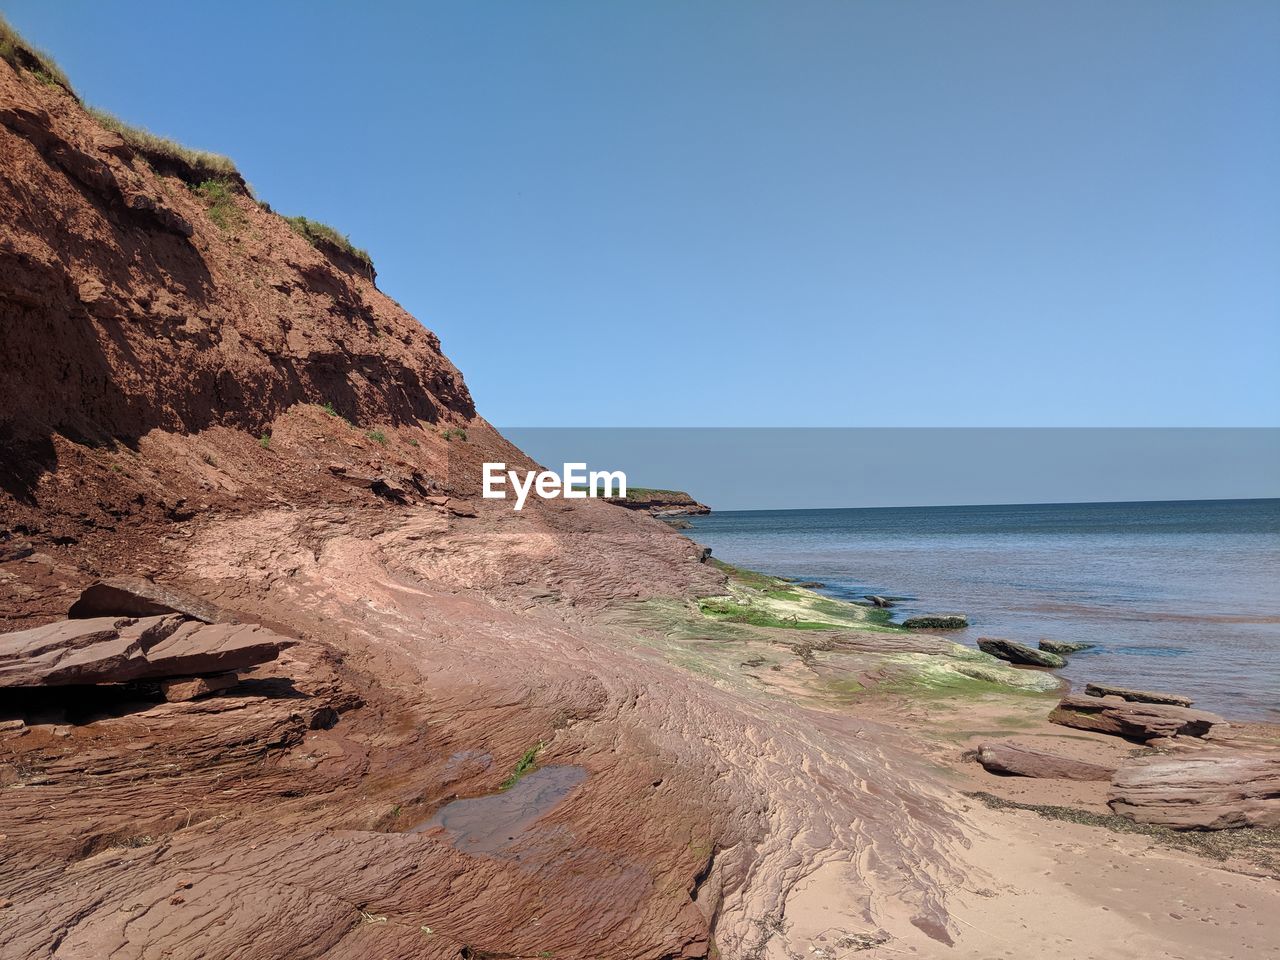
point(1178, 596)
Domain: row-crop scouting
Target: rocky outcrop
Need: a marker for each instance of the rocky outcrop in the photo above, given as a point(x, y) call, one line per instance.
point(123, 649)
point(937, 621)
point(192, 688)
point(1014, 759)
point(1064, 648)
point(137, 597)
point(1136, 721)
point(1136, 696)
point(661, 503)
point(1020, 653)
point(1212, 789)
point(127, 306)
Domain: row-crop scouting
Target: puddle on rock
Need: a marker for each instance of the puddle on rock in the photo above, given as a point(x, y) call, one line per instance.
point(488, 824)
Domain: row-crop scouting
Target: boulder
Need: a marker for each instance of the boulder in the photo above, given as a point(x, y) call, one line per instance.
point(213, 648)
point(137, 597)
point(461, 508)
point(1212, 789)
point(191, 688)
point(120, 649)
point(1015, 652)
point(937, 621)
point(1064, 647)
point(1007, 757)
point(1136, 696)
point(1136, 721)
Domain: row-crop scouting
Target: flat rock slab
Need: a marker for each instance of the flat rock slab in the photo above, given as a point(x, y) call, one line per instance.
point(1014, 759)
point(1137, 721)
point(1136, 696)
point(1015, 652)
point(1064, 647)
point(213, 648)
point(192, 688)
point(120, 649)
point(1205, 790)
point(138, 597)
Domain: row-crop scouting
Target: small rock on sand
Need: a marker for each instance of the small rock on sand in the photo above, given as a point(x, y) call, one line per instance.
point(1008, 757)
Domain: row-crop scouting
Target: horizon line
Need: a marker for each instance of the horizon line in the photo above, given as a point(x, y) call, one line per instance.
point(1030, 503)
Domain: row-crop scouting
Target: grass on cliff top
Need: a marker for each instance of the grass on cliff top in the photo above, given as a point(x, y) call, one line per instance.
point(656, 493)
point(161, 151)
point(23, 56)
point(318, 234)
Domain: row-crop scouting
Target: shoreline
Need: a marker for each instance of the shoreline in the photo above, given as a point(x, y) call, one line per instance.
point(1189, 609)
point(1013, 709)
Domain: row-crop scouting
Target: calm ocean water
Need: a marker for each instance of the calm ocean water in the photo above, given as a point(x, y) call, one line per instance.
point(1179, 596)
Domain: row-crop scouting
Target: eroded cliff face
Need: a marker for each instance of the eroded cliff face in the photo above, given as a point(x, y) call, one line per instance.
point(162, 414)
point(126, 307)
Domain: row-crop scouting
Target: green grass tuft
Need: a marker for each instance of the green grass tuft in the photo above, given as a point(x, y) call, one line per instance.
point(219, 196)
point(377, 436)
point(264, 441)
point(526, 763)
point(320, 235)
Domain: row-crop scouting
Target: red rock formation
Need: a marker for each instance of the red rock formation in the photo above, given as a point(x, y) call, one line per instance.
point(1015, 759)
point(1136, 720)
point(1136, 696)
point(121, 649)
point(127, 308)
point(1211, 789)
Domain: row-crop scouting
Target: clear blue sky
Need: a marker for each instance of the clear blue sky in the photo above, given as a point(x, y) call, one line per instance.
point(821, 213)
